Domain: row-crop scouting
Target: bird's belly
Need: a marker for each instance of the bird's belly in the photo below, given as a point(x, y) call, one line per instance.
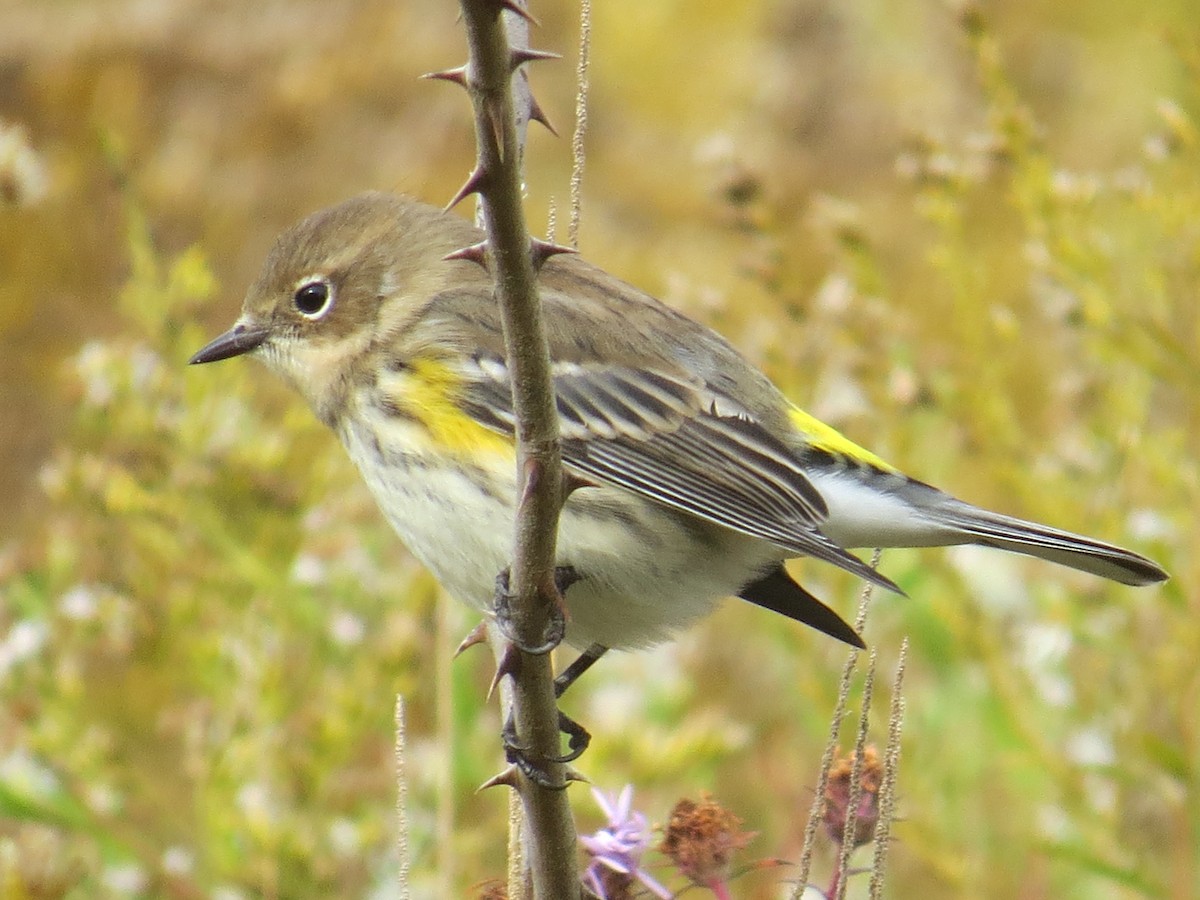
point(646, 570)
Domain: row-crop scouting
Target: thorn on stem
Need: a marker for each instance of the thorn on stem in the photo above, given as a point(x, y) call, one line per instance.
point(540, 251)
point(478, 635)
point(474, 184)
point(507, 778)
point(533, 478)
point(518, 56)
point(537, 114)
point(457, 75)
point(518, 10)
point(573, 482)
point(508, 664)
point(476, 253)
point(494, 109)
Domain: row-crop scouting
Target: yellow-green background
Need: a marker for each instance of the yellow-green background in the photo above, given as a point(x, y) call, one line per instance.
point(968, 237)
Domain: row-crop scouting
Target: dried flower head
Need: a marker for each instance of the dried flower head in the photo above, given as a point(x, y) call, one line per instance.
point(700, 839)
point(492, 889)
point(616, 850)
point(837, 796)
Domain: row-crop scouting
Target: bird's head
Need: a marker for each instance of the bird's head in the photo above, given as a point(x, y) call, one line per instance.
point(338, 283)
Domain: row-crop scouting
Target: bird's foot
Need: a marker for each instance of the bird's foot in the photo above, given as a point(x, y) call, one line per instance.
point(556, 626)
point(535, 767)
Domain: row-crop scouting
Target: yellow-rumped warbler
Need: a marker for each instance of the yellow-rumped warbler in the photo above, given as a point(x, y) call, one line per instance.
point(702, 478)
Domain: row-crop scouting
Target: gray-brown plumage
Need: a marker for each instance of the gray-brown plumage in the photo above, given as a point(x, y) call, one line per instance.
point(703, 477)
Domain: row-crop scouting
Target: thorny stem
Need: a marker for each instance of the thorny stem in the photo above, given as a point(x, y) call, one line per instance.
point(551, 847)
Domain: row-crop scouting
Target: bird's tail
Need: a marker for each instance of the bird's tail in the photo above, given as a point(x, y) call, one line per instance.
point(980, 526)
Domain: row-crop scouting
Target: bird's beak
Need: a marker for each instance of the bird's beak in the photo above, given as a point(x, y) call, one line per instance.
point(239, 339)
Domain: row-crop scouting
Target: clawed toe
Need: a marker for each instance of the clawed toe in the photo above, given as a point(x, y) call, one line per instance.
point(535, 767)
point(556, 627)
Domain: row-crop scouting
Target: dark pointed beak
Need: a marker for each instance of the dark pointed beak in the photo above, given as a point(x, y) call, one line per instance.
point(237, 340)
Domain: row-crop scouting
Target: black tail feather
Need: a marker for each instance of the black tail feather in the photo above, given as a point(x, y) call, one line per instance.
point(777, 592)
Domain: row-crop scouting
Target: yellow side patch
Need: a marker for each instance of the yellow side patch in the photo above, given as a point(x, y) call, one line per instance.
point(428, 391)
point(830, 440)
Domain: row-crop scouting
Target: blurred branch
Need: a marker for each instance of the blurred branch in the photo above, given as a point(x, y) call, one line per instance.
point(887, 790)
point(551, 844)
point(446, 854)
point(402, 854)
point(577, 145)
point(848, 841)
point(839, 713)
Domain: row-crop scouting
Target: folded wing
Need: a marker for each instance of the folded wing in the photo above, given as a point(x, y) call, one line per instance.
point(679, 444)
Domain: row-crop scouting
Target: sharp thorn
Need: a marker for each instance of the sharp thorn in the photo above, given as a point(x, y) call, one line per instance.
point(495, 114)
point(572, 481)
point(495, 684)
point(473, 185)
point(478, 634)
point(573, 774)
point(476, 253)
point(457, 75)
point(508, 664)
point(537, 114)
point(517, 9)
point(540, 251)
point(508, 778)
point(518, 56)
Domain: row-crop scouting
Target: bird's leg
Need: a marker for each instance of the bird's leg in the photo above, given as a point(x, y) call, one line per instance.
point(582, 663)
point(517, 752)
point(578, 737)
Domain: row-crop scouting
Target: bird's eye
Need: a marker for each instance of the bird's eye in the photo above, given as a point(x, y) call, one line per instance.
point(313, 298)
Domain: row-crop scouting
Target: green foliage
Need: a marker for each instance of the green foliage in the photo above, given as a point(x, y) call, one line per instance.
point(197, 665)
point(203, 629)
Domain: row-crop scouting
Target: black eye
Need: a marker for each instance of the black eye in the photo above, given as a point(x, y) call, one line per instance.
point(313, 298)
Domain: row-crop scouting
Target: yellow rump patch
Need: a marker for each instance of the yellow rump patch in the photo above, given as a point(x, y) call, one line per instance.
point(830, 440)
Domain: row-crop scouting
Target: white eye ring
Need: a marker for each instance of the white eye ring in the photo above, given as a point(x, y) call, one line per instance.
point(313, 297)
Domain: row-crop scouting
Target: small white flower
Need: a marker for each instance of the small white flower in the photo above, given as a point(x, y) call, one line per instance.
point(103, 799)
point(178, 861)
point(344, 837)
point(79, 603)
point(126, 878)
point(23, 641)
point(92, 363)
point(25, 775)
point(256, 803)
point(1091, 747)
point(346, 629)
point(308, 569)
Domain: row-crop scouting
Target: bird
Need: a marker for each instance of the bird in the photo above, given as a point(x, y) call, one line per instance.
point(695, 478)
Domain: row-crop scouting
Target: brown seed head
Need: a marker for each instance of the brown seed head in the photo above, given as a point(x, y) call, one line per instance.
point(700, 839)
point(837, 796)
point(492, 889)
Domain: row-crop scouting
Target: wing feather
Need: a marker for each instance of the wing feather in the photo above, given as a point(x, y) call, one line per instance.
point(665, 438)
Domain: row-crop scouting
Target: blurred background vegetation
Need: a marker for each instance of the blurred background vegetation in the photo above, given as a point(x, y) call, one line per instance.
point(969, 237)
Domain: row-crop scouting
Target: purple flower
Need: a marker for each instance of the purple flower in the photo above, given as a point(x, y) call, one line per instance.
point(616, 850)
